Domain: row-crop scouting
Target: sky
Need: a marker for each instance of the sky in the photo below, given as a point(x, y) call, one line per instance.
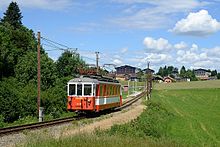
point(129, 32)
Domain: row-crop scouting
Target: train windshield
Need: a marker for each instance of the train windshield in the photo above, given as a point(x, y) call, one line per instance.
point(87, 89)
point(72, 89)
point(79, 89)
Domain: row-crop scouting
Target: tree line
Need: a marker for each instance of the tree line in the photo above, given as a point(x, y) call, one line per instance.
point(182, 73)
point(18, 71)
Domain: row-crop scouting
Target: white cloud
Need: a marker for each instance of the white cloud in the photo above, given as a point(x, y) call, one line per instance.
point(214, 52)
point(194, 47)
point(42, 4)
point(154, 14)
point(197, 24)
point(124, 50)
point(181, 45)
point(117, 62)
point(156, 58)
point(178, 54)
point(160, 44)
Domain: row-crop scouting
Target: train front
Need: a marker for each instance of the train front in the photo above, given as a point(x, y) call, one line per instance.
point(81, 94)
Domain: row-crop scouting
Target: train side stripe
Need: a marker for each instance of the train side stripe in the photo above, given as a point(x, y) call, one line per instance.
point(103, 101)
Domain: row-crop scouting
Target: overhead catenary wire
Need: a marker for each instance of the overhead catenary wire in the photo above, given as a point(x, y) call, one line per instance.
point(54, 42)
point(56, 46)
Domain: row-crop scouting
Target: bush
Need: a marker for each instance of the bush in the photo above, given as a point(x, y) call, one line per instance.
point(10, 106)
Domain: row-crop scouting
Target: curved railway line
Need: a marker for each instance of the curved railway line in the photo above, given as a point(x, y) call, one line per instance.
point(13, 129)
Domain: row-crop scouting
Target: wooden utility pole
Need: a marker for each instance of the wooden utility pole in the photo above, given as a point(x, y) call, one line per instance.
point(97, 62)
point(149, 81)
point(38, 73)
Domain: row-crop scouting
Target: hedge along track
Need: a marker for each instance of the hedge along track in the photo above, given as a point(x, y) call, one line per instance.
point(15, 129)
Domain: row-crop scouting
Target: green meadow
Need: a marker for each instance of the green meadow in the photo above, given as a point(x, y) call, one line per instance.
point(196, 115)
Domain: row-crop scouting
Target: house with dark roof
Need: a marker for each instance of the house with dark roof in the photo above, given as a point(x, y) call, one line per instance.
point(169, 79)
point(202, 74)
point(126, 72)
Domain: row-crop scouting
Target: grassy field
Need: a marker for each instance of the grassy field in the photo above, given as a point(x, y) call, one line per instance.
point(197, 115)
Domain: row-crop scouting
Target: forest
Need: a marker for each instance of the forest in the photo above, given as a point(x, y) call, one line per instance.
point(18, 67)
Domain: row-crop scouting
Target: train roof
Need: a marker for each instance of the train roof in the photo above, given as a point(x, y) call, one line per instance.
point(94, 79)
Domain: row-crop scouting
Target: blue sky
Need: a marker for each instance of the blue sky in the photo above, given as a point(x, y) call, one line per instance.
point(133, 32)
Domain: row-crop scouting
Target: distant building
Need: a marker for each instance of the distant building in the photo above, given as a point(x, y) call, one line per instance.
point(168, 79)
point(126, 72)
point(126, 69)
point(202, 74)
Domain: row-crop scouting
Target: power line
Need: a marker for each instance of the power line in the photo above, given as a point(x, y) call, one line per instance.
point(55, 42)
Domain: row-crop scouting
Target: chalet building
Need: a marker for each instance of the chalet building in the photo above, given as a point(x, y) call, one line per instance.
point(126, 69)
point(168, 79)
point(126, 72)
point(202, 74)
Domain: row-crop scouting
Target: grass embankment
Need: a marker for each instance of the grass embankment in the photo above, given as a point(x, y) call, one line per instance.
point(197, 115)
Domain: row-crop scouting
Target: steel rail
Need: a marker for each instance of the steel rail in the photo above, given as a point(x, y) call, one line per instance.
point(13, 129)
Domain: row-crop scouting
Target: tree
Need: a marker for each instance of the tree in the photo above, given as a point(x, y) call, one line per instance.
point(214, 73)
point(68, 64)
point(10, 104)
point(170, 70)
point(26, 70)
point(218, 76)
point(183, 71)
point(13, 15)
point(160, 72)
point(14, 44)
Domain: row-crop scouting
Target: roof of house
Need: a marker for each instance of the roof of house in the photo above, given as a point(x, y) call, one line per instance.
point(201, 69)
point(168, 77)
point(125, 66)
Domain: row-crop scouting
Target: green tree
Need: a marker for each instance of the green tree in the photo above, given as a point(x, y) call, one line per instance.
point(12, 15)
point(26, 70)
point(10, 102)
point(183, 71)
point(160, 71)
point(214, 73)
point(190, 74)
point(68, 64)
point(218, 76)
point(170, 70)
point(14, 44)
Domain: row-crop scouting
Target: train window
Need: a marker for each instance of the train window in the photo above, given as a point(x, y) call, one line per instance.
point(79, 89)
point(101, 90)
point(118, 90)
point(111, 90)
point(87, 89)
point(72, 89)
point(97, 90)
point(115, 90)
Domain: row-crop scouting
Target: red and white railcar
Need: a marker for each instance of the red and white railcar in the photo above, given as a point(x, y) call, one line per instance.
point(93, 93)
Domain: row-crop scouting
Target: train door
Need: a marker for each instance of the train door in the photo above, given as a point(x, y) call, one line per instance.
point(88, 96)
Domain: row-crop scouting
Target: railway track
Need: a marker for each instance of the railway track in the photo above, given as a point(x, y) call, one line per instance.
point(14, 129)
